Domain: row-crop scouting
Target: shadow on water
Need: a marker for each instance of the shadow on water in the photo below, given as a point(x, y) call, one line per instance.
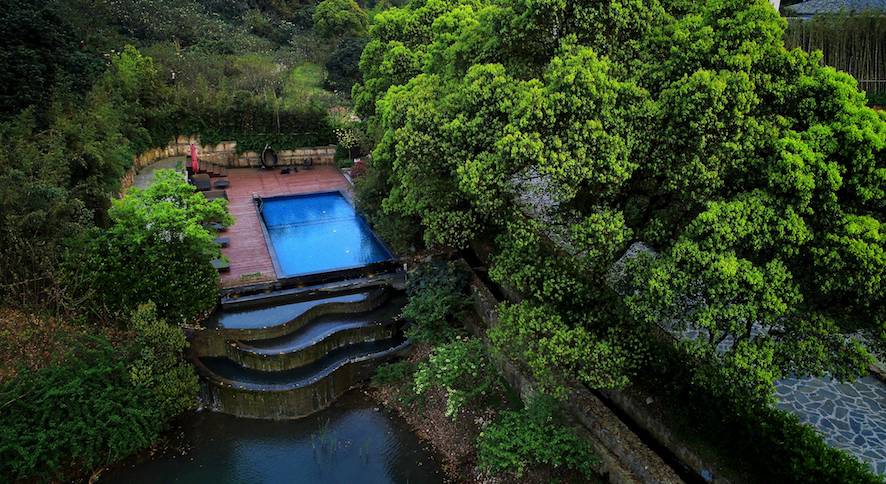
point(351, 442)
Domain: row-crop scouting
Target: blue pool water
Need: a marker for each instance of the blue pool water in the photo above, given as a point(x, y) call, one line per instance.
point(318, 233)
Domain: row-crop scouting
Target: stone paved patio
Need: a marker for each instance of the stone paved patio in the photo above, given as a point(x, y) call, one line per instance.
point(850, 416)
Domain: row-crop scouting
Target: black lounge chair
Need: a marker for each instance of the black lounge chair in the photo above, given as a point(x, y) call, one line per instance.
point(215, 226)
point(213, 194)
point(309, 162)
point(221, 184)
point(222, 241)
point(221, 265)
point(202, 182)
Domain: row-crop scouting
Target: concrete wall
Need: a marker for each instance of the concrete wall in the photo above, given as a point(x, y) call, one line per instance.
point(224, 154)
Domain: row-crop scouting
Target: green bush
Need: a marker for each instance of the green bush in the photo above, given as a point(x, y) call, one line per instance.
point(96, 406)
point(463, 370)
point(436, 294)
point(155, 250)
point(401, 233)
point(795, 452)
point(771, 441)
point(394, 373)
point(75, 415)
point(340, 18)
point(517, 440)
point(159, 366)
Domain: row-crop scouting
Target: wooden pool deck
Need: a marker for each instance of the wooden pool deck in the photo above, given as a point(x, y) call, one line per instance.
point(247, 251)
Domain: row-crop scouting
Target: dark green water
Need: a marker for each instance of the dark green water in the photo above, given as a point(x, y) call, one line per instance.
point(351, 442)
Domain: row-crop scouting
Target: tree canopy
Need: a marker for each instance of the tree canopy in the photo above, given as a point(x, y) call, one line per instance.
point(339, 18)
point(569, 130)
point(156, 249)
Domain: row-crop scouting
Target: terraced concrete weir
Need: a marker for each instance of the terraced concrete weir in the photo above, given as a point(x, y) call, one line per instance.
point(294, 356)
point(323, 335)
point(243, 392)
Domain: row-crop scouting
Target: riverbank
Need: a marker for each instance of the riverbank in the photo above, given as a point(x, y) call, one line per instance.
point(453, 439)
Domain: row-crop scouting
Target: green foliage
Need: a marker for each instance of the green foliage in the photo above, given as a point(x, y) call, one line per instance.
point(570, 130)
point(554, 348)
point(36, 64)
point(774, 442)
point(81, 413)
point(797, 453)
point(343, 65)
point(159, 366)
point(156, 249)
point(339, 18)
point(304, 87)
point(394, 373)
point(96, 405)
point(533, 436)
point(401, 233)
point(463, 370)
point(437, 293)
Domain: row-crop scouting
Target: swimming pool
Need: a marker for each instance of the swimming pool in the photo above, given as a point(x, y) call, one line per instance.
point(322, 232)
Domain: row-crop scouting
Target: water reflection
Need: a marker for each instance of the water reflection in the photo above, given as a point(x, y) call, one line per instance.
point(351, 442)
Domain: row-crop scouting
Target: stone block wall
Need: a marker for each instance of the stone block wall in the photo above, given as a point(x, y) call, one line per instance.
point(224, 154)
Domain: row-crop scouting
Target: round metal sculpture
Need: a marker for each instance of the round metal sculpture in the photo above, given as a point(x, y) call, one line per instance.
point(268, 157)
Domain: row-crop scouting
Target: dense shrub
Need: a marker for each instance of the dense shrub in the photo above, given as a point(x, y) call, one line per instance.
point(795, 452)
point(158, 364)
point(754, 172)
point(96, 406)
point(394, 373)
point(400, 232)
point(462, 368)
point(156, 249)
point(436, 294)
point(533, 436)
point(343, 65)
point(336, 18)
point(74, 415)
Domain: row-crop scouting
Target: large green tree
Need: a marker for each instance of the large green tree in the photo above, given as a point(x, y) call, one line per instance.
point(572, 130)
point(157, 248)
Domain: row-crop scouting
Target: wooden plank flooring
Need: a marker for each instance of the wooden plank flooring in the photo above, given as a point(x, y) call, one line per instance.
point(247, 250)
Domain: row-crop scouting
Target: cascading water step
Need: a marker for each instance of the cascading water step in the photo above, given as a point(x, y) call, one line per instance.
point(258, 380)
point(318, 337)
point(277, 294)
point(274, 321)
point(297, 392)
point(269, 316)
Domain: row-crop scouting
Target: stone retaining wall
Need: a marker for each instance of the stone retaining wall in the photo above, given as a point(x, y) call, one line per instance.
point(624, 458)
point(224, 154)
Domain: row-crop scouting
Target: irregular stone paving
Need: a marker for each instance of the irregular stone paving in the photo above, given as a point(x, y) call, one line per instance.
point(850, 416)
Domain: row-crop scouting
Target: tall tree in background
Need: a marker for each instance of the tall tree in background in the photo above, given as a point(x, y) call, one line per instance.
point(339, 18)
